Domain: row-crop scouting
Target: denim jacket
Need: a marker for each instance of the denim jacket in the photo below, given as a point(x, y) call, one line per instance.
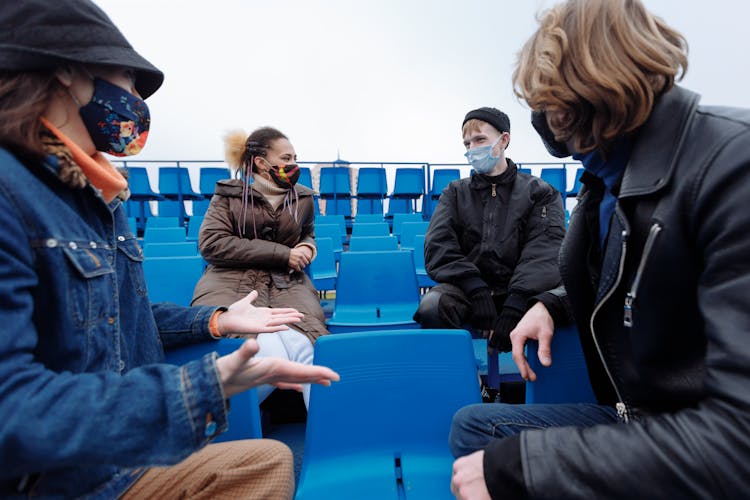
point(85, 401)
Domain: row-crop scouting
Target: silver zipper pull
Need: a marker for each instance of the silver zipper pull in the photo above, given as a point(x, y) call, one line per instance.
point(494, 191)
point(544, 212)
point(628, 311)
point(622, 411)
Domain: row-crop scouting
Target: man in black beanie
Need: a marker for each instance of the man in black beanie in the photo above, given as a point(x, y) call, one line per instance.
point(493, 238)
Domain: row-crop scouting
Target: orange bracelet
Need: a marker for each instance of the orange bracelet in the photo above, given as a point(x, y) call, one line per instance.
point(213, 324)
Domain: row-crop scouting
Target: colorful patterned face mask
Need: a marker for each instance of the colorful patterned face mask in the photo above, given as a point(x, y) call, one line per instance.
point(285, 176)
point(116, 120)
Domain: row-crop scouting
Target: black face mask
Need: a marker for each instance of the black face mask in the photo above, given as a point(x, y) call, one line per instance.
point(285, 176)
point(555, 148)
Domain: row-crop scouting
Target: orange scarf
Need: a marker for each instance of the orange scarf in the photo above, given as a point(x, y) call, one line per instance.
point(99, 171)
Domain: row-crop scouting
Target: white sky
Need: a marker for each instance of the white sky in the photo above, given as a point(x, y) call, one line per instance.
point(376, 80)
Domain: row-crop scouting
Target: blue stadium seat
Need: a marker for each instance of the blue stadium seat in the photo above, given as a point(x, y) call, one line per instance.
point(180, 249)
point(368, 218)
point(372, 243)
point(200, 206)
point(133, 223)
point(567, 380)
point(556, 177)
point(375, 290)
point(140, 194)
point(423, 279)
point(381, 431)
point(408, 187)
point(332, 232)
point(208, 177)
point(164, 235)
point(399, 219)
point(576, 184)
point(409, 230)
point(194, 227)
point(371, 190)
point(172, 208)
point(305, 177)
point(163, 221)
point(525, 171)
point(174, 183)
point(334, 181)
point(172, 279)
point(339, 220)
point(244, 417)
point(440, 180)
point(322, 270)
point(370, 229)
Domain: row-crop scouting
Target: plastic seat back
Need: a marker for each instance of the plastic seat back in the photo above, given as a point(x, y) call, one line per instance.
point(139, 185)
point(399, 219)
point(322, 269)
point(371, 182)
point(576, 183)
point(381, 432)
point(372, 243)
point(370, 229)
point(305, 177)
point(409, 183)
point(409, 230)
point(172, 279)
point(175, 182)
point(164, 235)
point(556, 177)
point(334, 181)
point(423, 279)
point(181, 249)
point(375, 290)
point(567, 380)
point(163, 221)
point(209, 176)
point(441, 178)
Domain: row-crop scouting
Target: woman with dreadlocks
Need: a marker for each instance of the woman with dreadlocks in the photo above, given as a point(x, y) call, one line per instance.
point(258, 235)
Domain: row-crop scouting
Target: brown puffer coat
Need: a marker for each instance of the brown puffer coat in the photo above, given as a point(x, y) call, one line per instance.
point(239, 265)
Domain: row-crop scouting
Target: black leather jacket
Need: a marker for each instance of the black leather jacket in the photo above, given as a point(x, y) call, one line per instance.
point(666, 332)
point(505, 234)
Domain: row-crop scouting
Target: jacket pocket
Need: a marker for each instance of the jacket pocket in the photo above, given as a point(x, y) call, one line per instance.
point(134, 262)
point(90, 291)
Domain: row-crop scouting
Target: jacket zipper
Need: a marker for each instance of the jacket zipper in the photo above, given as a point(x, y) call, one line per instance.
point(544, 211)
point(494, 190)
point(622, 409)
point(631, 295)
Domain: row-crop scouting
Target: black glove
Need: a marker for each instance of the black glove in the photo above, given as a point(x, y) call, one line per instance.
point(506, 322)
point(483, 312)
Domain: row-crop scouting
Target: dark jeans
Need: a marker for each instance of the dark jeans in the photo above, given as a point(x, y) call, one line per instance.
point(475, 426)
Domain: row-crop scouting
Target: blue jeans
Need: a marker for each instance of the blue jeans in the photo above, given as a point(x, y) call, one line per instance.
point(475, 426)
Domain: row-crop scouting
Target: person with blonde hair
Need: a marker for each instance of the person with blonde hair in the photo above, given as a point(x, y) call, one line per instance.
point(258, 234)
point(89, 408)
point(655, 275)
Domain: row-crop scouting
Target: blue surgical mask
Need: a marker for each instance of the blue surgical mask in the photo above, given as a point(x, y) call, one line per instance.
point(116, 120)
point(481, 158)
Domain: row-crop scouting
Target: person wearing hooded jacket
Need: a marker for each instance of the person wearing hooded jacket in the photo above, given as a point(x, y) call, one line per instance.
point(655, 270)
point(493, 239)
point(258, 234)
point(89, 408)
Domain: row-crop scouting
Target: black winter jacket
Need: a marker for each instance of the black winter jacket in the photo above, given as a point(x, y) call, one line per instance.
point(505, 235)
point(666, 332)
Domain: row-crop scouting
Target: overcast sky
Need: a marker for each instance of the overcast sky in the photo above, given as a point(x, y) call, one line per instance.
point(372, 80)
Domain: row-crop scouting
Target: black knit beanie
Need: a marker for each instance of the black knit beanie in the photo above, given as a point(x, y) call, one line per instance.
point(493, 116)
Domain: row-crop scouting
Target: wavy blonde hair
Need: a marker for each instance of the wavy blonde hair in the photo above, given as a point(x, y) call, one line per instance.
point(595, 67)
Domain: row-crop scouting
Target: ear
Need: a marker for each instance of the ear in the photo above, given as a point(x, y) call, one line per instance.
point(258, 161)
point(505, 140)
point(64, 75)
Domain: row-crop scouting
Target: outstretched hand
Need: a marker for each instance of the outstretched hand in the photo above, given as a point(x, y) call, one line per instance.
point(243, 317)
point(240, 371)
point(536, 324)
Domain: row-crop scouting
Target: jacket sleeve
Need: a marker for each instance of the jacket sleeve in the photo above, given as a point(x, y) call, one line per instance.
point(154, 414)
point(697, 452)
point(178, 325)
point(445, 262)
point(307, 236)
point(538, 267)
point(220, 244)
